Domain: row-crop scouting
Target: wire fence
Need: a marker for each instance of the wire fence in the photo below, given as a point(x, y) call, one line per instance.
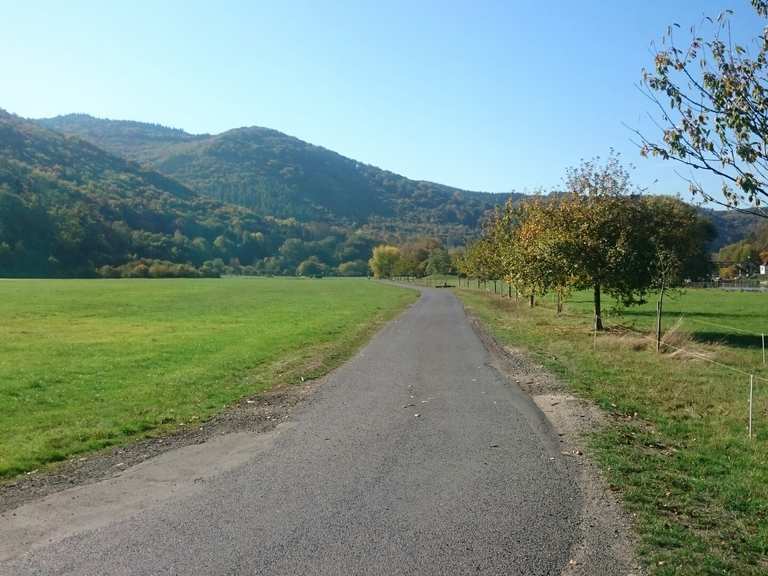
point(749, 377)
point(745, 375)
point(741, 284)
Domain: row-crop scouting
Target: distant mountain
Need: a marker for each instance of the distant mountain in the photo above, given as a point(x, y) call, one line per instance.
point(68, 207)
point(732, 226)
point(283, 176)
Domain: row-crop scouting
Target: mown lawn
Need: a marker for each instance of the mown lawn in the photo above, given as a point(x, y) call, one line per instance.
point(677, 446)
point(86, 364)
point(734, 320)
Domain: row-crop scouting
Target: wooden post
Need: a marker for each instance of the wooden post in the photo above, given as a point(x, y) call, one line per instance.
point(509, 290)
point(763, 338)
point(658, 326)
point(751, 384)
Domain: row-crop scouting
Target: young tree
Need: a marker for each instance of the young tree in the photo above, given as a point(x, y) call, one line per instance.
point(534, 254)
point(312, 267)
point(602, 237)
point(414, 256)
point(353, 268)
point(680, 236)
point(622, 243)
point(384, 261)
point(438, 262)
point(712, 97)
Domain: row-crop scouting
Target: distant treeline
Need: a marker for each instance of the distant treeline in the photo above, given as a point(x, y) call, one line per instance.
point(421, 257)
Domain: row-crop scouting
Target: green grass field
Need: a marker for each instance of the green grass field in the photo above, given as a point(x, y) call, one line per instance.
point(86, 364)
point(731, 319)
point(677, 446)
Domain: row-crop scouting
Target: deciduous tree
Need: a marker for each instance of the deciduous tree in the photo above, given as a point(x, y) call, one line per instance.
point(384, 261)
point(711, 98)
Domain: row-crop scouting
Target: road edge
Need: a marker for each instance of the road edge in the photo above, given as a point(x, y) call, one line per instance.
point(257, 413)
point(607, 543)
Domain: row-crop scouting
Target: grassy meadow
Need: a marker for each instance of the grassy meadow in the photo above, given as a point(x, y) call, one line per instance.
point(677, 446)
point(86, 364)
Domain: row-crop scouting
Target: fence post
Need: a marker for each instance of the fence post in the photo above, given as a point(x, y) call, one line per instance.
point(763, 338)
point(751, 384)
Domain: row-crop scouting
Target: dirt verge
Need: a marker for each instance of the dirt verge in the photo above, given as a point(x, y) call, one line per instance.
point(606, 544)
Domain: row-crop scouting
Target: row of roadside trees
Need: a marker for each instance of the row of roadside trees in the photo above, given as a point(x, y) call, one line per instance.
point(601, 234)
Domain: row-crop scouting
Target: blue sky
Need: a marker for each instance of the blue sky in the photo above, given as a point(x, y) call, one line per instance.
point(483, 95)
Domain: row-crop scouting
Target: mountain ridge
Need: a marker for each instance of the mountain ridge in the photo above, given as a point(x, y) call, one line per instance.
point(283, 176)
point(90, 167)
point(64, 122)
point(69, 208)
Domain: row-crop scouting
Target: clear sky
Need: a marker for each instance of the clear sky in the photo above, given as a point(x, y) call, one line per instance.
point(483, 95)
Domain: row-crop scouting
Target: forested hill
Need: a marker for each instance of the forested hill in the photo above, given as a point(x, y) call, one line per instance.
point(283, 176)
point(69, 208)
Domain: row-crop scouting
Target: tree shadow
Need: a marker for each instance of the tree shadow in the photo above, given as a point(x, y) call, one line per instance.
point(669, 313)
point(729, 339)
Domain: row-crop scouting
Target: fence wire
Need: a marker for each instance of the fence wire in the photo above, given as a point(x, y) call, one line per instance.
point(752, 378)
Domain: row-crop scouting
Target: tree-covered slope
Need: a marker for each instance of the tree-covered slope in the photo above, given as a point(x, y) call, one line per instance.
point(283, 176)
point(69, 208)
point(732, 226)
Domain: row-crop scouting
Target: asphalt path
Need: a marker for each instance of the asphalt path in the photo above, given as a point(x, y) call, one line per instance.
point(415, 457)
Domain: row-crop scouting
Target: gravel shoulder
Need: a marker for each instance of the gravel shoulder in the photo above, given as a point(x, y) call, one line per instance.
point(606, 544)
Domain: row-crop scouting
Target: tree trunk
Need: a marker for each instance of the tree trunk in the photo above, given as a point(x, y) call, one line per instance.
point(559, 304)
point(532, 301)
point(598, 310)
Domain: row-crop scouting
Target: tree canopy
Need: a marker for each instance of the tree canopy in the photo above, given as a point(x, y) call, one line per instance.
point(711, 98)
point(601, 235)
point(384, 261)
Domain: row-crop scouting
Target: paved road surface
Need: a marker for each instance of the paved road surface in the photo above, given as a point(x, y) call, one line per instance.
point(416, 457)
